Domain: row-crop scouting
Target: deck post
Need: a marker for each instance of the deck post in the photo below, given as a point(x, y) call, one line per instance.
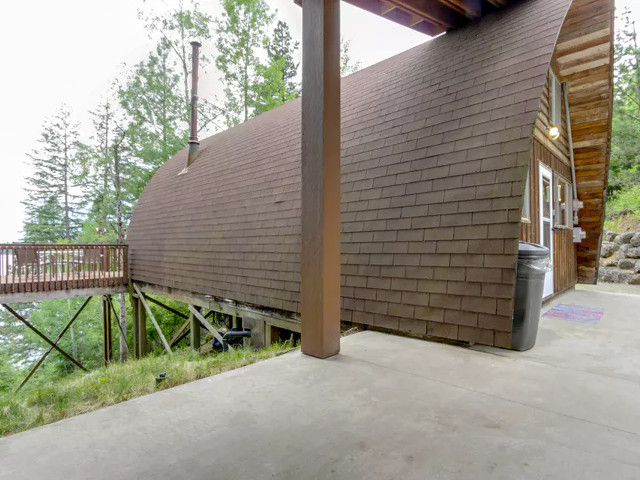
point(106, 329)
point(195, 331)
point(136, 319)
point(320, 261)
point(142, 329)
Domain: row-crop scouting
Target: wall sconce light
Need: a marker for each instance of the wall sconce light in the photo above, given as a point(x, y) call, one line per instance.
point(554, 133)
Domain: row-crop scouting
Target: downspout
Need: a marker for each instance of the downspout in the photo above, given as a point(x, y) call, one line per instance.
point(193, 136)
point(565, 94)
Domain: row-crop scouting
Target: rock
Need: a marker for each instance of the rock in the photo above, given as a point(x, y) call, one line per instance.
point(635, 280)
point(624, 238)
point(608, 249)
point(610, 262)
point(632, 252)
point(635, 240)
point(610, 236)
point(627, 264)
point(614, 275)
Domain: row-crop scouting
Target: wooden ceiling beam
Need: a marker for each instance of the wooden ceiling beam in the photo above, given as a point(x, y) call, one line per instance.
point(431, 11)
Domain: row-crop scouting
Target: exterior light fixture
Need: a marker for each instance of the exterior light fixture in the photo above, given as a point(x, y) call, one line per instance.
point(554, 132)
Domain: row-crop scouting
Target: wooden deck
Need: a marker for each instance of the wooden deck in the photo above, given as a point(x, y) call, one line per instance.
point(60, 270)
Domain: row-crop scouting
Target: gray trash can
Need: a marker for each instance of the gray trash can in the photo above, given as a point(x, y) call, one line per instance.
point(533, 264)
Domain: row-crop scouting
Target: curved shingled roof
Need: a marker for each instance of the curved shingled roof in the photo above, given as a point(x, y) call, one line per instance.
point(435, 149)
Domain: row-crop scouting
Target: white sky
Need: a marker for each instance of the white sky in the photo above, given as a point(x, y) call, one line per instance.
point(69, 51)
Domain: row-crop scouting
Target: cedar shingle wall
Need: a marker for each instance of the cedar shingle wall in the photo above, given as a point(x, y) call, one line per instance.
point(435, 146)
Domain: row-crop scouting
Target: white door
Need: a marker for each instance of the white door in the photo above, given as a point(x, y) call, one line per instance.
point(546, 223)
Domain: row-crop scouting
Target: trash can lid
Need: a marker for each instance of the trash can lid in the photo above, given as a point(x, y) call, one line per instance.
point(532, 250)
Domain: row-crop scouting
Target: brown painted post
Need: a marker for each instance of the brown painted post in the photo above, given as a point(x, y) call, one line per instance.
point(195, 331)
point(321, 178)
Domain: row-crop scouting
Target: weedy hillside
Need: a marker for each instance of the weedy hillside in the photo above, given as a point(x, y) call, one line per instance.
point(82, 392)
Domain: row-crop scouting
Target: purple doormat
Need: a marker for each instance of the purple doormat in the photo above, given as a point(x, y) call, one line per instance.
point(576, 313)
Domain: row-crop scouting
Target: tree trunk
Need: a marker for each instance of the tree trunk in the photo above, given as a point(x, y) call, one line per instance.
point(120, 228)
point(67, 226)
point(246, 89)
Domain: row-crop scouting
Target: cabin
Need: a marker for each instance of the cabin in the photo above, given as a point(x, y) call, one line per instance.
point(450, 153)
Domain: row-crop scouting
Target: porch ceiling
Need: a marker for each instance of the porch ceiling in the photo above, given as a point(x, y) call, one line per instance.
point(431, 17)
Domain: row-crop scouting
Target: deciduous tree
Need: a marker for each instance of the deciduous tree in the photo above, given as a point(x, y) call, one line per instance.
point(240, 33)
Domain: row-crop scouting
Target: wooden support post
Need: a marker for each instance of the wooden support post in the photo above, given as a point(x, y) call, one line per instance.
point(146, 309)
point(195, 312)
point(44, 356)
point(142, 329)
point(267, 335)
point(136, 329)
point(320, 262)
point(195, 331)
point(43, 336)
point(107, 349)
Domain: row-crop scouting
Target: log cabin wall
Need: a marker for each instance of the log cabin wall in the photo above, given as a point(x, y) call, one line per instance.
point(583, 58)
point(555, 155)
point(564, 252)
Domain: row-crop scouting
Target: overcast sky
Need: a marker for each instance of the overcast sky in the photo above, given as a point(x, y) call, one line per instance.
point(69, 52)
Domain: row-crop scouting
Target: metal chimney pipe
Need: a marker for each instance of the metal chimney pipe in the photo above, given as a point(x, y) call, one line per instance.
point(193, 137)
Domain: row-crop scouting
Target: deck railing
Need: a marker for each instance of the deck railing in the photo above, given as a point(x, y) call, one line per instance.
point(29, 267)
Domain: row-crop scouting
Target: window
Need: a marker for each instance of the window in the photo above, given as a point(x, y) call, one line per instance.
point(526, 206)
point(563, 207)
point(555, 105)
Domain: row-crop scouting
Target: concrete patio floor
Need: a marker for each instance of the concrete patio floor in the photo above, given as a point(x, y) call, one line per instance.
point(386, 408)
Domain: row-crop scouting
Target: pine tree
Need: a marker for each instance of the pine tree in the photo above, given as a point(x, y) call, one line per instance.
point(153, 106)
point(53, 204)
point(281, 50)
point(241, 31)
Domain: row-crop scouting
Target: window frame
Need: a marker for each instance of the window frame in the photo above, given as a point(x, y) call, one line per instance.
point(568, 204)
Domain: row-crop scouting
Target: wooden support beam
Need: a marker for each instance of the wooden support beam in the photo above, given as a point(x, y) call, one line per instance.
point(142, 329)
point(195, 332)
point(136, 329)
point(43, 336)
point(153, 319)
point(166, 307)
point(207, 325)
point(60, 335)
point(320, 261)
point(107, 347)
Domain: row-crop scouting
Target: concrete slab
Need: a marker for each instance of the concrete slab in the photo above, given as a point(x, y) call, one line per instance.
point(387, 407)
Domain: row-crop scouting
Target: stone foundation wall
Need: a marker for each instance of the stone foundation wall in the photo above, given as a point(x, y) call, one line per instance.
point(620, 258)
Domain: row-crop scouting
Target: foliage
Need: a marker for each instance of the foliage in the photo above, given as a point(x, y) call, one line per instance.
point(177, 28)
point(270, 89)
point(83, 392)
point(52, 207)
point(154, 109)
point(281, 49)
point(624, 172)
point(140, 122)
point(240, 32)
point(347, 66)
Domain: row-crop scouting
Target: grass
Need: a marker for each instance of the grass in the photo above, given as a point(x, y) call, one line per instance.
point(83, 392)
point(623, 211)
